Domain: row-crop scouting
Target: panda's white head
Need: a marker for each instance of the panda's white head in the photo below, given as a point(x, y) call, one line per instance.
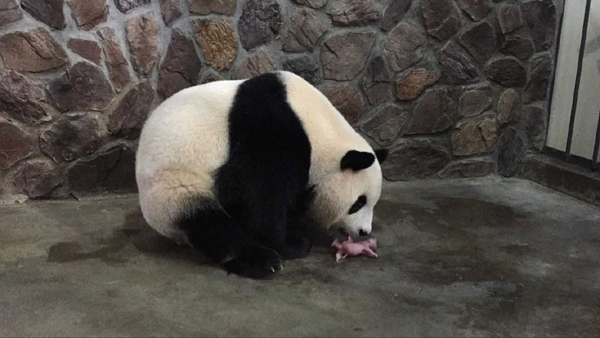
point(346, 199)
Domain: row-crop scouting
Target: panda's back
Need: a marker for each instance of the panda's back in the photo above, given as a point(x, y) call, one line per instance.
point(182, 143)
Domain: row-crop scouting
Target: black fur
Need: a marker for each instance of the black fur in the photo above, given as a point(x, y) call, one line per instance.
point(357, 160)
point(382, 154)
point(262, 189)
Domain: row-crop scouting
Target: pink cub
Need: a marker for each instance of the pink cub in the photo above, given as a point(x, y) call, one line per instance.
point(350, 248)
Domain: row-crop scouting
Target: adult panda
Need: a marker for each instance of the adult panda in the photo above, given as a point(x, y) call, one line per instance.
point(234, 168)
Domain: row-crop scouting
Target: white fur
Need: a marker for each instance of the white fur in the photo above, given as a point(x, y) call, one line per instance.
point(331, 137)
point(185, 140)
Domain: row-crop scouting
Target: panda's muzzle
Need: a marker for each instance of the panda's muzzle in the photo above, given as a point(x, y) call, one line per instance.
point(346, 233)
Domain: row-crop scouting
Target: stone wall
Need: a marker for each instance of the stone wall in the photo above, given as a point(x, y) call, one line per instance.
point(456, 88)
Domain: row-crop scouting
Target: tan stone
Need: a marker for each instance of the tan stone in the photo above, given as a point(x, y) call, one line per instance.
point(474, 136)
point(412, 84)
point(218, 42)
point(142, 34)
point(205, 7)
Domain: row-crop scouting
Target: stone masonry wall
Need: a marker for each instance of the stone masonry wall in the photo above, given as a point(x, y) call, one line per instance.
point(456, 88)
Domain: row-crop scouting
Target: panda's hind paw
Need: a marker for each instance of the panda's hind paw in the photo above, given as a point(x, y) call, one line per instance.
point(258, 262)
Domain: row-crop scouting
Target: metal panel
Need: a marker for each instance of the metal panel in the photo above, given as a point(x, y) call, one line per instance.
point(566, 74)
point(588, 100)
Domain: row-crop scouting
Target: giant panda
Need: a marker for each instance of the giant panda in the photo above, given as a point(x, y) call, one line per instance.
point(237, 168)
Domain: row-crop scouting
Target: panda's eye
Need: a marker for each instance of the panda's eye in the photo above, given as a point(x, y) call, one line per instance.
point(360, 202)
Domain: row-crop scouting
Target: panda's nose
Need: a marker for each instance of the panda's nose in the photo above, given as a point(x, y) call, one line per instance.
point(362, 232)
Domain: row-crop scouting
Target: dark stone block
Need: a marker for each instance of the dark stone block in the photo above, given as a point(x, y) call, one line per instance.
point(480, 41)
point(304, 66)
point(129, 117)
point(82, 87)
point(20, 99)
point(49, 12)
point(415, 159)
point(386, 124)
point(394, 13)
point(71, 137)
point(260, 23)
point(539, 79)
point(540, 16)
point(376, 82)
point(434, 113)
point(112, 170)
point(343, 56)
point(510, 152)
point(507, 71)
point(442, 18)
point(456, 65)
point(179, 68)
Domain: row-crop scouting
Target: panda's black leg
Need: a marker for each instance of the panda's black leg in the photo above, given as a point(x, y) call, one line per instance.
point(297, 246)
point(298, 243)
point(213, 232)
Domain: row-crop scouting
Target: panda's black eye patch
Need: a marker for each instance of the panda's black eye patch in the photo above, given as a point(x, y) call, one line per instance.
point(360, 202)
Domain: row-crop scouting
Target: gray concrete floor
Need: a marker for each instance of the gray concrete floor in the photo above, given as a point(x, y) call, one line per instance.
point(466, 257)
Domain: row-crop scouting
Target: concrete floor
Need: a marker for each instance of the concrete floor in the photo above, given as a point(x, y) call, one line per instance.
point(457, 258)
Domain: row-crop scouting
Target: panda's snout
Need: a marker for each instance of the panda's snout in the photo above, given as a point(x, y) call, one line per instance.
point(363, 232)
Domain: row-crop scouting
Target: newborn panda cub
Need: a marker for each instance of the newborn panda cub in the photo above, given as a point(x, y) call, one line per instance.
point(233, 168)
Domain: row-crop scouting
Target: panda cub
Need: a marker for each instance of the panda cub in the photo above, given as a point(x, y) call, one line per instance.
point(236, 168)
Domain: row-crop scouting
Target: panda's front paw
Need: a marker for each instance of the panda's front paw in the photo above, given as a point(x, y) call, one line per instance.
point(256, 262)
point(297, 247)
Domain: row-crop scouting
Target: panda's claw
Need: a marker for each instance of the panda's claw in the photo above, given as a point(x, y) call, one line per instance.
point(255, 262)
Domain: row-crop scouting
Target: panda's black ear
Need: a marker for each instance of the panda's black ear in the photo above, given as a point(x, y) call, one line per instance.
point(382, 154)
point(357, 160)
